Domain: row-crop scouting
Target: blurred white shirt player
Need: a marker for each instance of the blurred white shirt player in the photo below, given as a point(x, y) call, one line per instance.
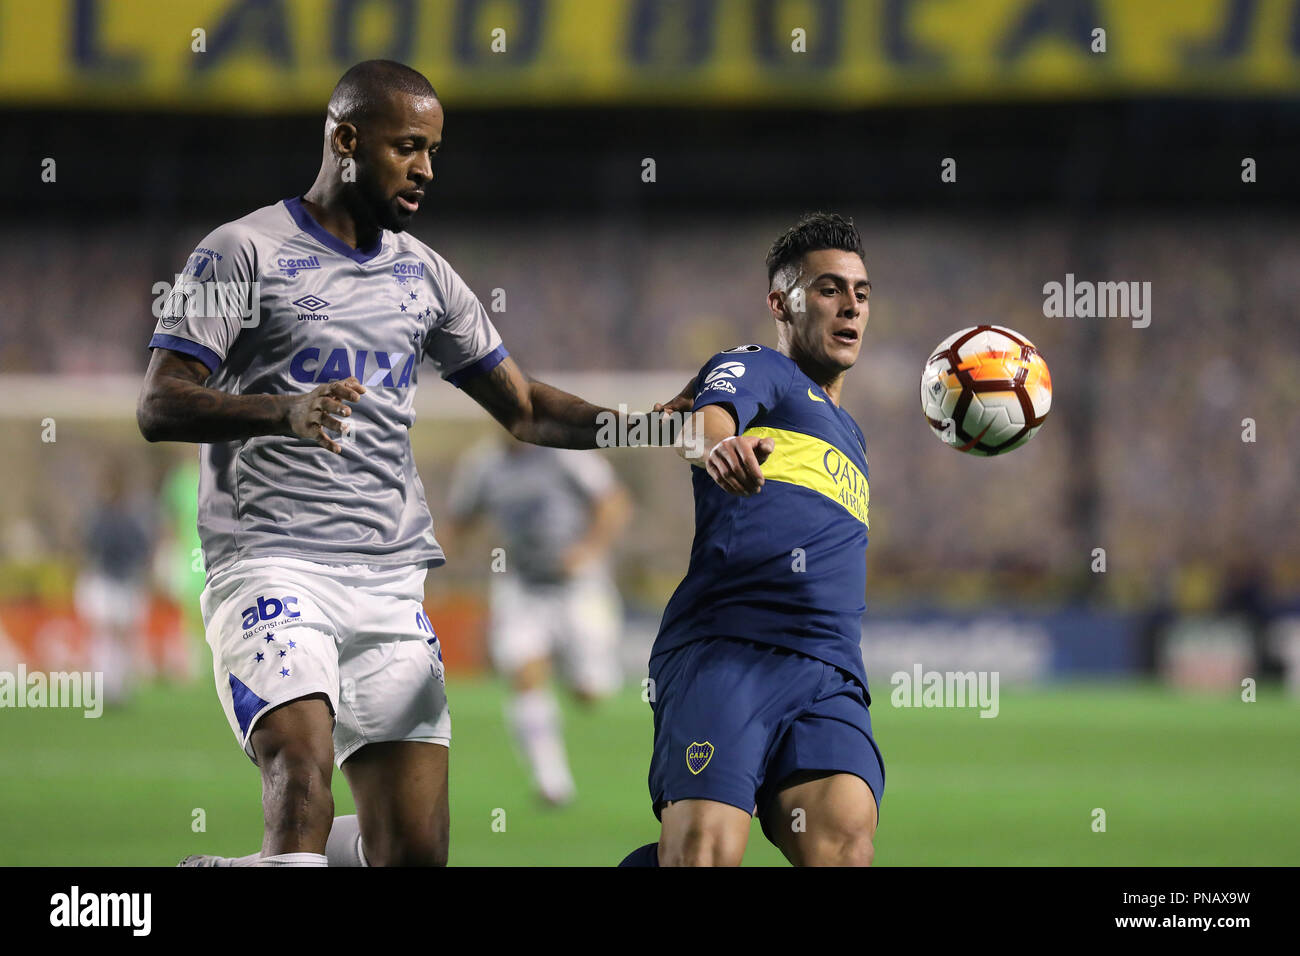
point(552, 596)
point(112, 591)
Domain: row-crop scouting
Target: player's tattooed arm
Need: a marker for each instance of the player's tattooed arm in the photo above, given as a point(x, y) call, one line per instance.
point(175, 405)
point(536, 412)
point(734, 462)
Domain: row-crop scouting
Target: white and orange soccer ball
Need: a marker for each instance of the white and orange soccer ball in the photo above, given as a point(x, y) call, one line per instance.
point(985, 390)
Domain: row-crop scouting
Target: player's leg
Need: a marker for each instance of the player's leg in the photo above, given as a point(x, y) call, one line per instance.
point(821, 818)
point(702, 833)
point(720, 708)
point(98, 607)
point(400, 788)
point(294, 746)
point(275, 663)
point(587, 641)
point(821, 800)
point(394, 726)
point(520, 633)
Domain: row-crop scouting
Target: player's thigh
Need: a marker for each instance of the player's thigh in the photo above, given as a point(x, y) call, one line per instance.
point(400, 789)
point(721, 707)
point(394, 724)
point(272, 633)
point(588, 637)
point(295, 739)
point(823, 818)
point(519, 624)
point(391, 676)
point(702, 833)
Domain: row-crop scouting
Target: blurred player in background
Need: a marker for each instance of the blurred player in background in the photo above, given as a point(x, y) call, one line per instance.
point(291, 348)
point(553, 596)
point(758, 686)
point(112, 593)
point(180, 556)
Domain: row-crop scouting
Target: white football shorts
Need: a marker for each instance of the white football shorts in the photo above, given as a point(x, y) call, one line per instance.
point(103, 601)
point(577, 622)
point(284, 628)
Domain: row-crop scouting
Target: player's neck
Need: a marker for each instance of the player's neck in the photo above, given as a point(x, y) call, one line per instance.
point(325, 202)
point(830, 380)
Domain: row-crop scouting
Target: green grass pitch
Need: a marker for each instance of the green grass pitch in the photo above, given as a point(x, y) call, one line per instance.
point(1183, 780)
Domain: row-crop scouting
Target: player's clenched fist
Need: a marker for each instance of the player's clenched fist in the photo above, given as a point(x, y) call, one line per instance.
point(311, 414)
point(734, 464)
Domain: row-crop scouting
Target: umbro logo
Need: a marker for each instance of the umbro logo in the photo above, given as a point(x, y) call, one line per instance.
point(310, 303)
point(311, 306)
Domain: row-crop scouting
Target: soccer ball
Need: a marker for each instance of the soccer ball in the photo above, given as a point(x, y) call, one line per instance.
point(985, 390)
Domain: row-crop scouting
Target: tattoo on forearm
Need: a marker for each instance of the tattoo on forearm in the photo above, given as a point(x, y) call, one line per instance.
point(181, 410)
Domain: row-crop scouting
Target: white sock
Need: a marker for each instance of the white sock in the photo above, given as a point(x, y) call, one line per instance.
point(535, 720)
point(292, 859)
point(343, 848)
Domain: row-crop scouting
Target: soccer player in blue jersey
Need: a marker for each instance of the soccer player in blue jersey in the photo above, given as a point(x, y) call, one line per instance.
point(758, 688)
point(291, 351)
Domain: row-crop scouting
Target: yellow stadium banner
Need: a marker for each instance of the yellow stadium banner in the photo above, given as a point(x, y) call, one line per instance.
point(270, 56)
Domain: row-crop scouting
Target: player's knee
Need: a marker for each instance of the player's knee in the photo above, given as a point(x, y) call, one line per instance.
point(426, 847)
point(858, 850)
point(701, 845)
point(296, 779)
point(588, 697)
point(847, 846)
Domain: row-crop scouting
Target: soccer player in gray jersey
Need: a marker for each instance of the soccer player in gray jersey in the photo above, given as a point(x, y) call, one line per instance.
point(552, 594)
point(290, 348)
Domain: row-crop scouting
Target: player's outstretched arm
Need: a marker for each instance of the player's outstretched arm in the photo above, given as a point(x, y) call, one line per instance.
point(175, 405)
point(536, 412)
point(709, 441)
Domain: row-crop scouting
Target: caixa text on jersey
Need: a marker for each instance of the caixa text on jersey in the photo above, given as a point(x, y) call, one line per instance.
point(370, 368)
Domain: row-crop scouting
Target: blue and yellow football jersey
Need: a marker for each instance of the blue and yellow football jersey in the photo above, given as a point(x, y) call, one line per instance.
point(786, 566)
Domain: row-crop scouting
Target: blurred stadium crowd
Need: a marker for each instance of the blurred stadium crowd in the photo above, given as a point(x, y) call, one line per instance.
point(1143, 455)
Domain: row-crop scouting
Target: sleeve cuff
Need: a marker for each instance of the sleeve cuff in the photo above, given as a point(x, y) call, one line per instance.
point(742, 411)
point(486, 364)
point(193, 349)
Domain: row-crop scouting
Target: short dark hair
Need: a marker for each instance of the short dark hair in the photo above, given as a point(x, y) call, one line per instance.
point(816, 230)
point(364, 90)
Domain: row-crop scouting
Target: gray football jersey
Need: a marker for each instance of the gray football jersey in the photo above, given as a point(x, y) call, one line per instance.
point(539, 498)
point(273, 304)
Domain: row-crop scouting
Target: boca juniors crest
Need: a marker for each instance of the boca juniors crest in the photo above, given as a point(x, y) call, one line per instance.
point(698, 756)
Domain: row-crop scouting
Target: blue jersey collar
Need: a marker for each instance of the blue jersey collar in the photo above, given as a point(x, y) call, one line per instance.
point(326, 238)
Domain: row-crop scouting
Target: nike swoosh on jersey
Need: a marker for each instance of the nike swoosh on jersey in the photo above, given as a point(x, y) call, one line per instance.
point(814, 397)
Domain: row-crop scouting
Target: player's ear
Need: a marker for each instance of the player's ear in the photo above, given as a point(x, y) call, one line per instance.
point(777, 305)
point(343, 140)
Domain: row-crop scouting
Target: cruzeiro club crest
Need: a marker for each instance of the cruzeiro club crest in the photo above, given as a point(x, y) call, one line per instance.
point(698, 756)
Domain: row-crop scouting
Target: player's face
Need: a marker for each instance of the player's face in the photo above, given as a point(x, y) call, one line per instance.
point(835, 292)
point(395, 159)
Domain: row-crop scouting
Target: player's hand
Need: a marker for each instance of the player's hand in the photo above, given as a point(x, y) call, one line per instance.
point(734, 464)
point(684, 401)
point(309, 415)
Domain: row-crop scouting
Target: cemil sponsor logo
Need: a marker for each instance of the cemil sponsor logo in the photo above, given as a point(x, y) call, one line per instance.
point(291, 267)
point(408, 270)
